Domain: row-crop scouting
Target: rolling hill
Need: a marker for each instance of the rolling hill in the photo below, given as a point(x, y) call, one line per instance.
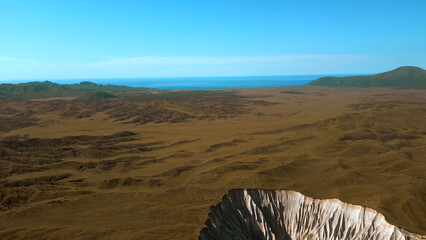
point(402, 77)
point(23, 91)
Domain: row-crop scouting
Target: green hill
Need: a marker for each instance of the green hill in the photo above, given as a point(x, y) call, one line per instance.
point(402, 77)
point(23, 91)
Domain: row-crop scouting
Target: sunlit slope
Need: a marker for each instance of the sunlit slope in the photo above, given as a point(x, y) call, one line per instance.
point(402, 77)
point(149, 165)
point(289, 215)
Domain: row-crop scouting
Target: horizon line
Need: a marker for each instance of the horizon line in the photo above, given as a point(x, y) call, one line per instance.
point(183, 77)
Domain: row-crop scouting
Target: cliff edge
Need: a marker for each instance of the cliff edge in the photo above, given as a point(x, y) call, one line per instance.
point(288, 215)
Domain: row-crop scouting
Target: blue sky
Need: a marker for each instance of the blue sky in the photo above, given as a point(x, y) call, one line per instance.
point(62, 39)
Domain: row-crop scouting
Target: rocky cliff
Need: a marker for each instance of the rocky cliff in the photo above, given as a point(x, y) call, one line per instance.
point(289, 215)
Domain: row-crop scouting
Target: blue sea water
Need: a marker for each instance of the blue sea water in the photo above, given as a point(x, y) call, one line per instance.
point(197, 82)
point(204, 82)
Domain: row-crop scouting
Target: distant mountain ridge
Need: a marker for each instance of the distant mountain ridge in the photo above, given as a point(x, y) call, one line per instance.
point(402, 77)
point(45, 89)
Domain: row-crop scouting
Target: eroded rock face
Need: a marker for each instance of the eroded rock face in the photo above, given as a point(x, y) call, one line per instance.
point(289, 215)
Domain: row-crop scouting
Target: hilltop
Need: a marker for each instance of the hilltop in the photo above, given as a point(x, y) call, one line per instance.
point(402, 77)
point(23, 91)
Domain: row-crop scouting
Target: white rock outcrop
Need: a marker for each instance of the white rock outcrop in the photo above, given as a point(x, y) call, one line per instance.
point(288, 215)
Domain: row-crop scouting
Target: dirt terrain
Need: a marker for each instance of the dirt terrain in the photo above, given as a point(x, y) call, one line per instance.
point(149, 166)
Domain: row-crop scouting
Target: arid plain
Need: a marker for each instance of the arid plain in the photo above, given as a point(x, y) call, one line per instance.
point(150, 165)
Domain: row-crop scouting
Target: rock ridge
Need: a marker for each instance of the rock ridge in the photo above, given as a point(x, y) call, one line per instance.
point(289, 215)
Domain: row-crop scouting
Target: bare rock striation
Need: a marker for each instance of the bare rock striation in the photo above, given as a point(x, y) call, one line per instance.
point(288, 215)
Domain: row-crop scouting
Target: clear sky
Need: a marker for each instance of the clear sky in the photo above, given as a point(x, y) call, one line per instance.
point(60, 39)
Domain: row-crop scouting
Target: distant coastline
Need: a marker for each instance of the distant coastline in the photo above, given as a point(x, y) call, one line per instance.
point(193, 82)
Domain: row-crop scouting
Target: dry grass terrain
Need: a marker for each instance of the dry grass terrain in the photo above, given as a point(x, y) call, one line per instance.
point(149, 166)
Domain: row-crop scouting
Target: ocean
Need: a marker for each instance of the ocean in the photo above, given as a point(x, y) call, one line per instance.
point(196, 82)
